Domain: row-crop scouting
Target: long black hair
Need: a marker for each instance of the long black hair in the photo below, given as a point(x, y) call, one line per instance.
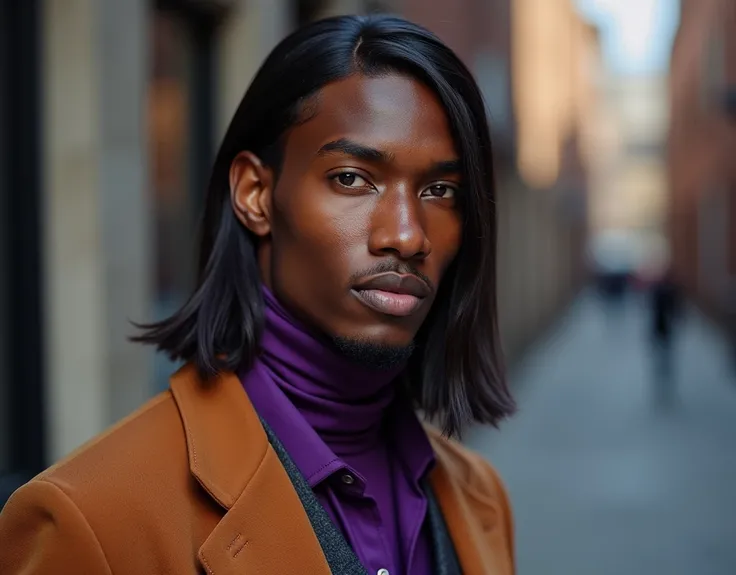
point(456, 374)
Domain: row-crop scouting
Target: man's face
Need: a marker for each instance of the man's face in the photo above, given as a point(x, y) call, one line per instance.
point(363, 220)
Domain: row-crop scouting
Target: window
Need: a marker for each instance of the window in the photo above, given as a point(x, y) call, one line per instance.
point(180, 116)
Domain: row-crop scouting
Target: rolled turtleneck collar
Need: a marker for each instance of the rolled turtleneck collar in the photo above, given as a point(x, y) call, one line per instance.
point(342, 401)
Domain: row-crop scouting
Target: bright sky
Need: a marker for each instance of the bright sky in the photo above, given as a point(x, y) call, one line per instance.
point(636, 34)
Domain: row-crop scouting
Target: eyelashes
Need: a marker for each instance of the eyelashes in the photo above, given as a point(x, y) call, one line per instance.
point(352, 180)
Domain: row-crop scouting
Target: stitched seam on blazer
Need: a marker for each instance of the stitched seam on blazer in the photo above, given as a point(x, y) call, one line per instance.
point(207, 566)
point(219, 494)
point(233, 542)
point(243, 546)
point(202, 557)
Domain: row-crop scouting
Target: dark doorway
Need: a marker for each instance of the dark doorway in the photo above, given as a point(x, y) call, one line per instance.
point(22, 448)
point(181, 133)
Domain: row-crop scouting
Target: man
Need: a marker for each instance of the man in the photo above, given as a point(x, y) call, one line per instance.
point(346, 279)
point(665, 311)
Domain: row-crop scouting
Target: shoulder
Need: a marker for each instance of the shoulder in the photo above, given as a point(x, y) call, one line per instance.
point(151, 437)
point(126, 463)
point(478, 502)
point(468, 467)
point(474, 488)
point(129, 468)
point(106, 491)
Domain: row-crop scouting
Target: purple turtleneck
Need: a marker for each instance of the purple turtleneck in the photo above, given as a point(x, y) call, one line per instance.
point(360, 446)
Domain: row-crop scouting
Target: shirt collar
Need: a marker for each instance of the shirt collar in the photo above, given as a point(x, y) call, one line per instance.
point(312, 456)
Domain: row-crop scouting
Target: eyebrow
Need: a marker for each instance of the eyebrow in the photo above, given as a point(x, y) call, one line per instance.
point(356, 150)
point(369, 154)
point(445, 168)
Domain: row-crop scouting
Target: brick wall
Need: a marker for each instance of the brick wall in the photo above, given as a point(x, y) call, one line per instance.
point(702, 155)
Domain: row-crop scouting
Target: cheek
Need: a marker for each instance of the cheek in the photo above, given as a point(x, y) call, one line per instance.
point(313, 229)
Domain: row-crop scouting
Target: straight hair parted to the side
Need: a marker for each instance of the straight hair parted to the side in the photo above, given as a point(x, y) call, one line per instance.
point(456, 374)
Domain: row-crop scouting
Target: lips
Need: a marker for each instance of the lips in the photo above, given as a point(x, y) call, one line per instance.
point(392, 294)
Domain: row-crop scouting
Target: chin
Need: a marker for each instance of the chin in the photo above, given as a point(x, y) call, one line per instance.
point(383, 335)
point(373, 354)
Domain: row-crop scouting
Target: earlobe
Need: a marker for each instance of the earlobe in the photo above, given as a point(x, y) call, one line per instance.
point(250, 192)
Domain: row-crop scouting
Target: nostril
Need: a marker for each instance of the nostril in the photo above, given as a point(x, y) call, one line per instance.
point(407, 240)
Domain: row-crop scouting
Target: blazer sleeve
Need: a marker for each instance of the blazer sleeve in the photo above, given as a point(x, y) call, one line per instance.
point(42, 531)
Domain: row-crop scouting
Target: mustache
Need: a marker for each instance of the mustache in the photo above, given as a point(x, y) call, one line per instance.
point(386, 266)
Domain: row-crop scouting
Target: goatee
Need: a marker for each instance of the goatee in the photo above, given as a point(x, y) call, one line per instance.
point(373, 355)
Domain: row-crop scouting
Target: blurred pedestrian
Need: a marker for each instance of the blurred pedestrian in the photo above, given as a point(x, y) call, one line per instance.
point(611, 260)
point(347, 277)
point(665, 309)
point(731, 333)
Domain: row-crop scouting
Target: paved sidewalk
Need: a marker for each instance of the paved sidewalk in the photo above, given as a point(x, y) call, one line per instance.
point(604, 478)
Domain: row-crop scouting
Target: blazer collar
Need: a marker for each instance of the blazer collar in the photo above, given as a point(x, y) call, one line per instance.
point(265, 528)
point(225, 439)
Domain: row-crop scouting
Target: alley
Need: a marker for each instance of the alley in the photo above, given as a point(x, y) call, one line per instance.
point(605, 478)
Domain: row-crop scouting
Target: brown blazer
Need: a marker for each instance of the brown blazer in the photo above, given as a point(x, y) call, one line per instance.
point(190, 484)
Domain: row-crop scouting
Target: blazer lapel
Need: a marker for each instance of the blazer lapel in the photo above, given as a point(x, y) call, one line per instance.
point(264, 528)
point(340, 556)
point(266, 531)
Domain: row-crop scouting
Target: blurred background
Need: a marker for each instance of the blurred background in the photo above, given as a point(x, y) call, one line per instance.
point(615, 133)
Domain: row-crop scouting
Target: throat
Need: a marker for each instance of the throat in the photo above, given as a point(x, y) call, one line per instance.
point(347, 426)
point(344, 400)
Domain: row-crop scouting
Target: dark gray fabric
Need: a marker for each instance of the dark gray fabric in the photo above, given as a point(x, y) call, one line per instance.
point(340, 556)
point(445, 556)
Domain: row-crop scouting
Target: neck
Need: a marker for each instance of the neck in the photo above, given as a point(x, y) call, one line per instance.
point(341, 400)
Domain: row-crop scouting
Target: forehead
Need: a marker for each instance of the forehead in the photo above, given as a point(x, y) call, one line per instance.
point(393, 113)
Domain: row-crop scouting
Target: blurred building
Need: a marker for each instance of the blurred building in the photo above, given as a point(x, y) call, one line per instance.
point(110, 114)
point(702, 155)
point(543, 199)
point(628, 191)
point(631, 193)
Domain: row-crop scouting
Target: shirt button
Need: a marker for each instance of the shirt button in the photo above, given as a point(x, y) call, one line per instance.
point(348, 479)
point(383, 572)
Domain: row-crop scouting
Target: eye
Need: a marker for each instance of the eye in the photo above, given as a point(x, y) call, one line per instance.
point(439, 191)
point(350, 180)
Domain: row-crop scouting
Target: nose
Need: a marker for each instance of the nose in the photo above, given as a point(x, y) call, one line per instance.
point(398, 227)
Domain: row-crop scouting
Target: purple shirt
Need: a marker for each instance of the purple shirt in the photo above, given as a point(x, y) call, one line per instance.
point(360, 447)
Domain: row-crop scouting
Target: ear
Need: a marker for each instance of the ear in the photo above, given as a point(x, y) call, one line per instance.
point(251, 187)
